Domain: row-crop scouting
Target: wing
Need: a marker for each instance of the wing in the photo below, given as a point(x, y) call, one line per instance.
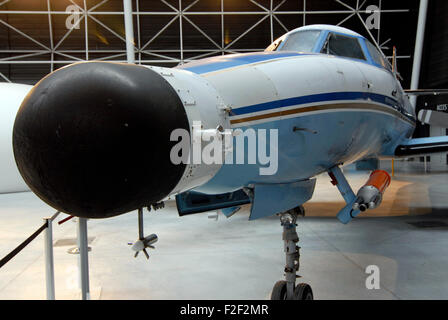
point(422, 146)
point(426, 92)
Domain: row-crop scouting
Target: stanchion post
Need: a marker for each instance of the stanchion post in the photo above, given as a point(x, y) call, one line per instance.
point(83, 258)
point(49, 260)
point(393, 168)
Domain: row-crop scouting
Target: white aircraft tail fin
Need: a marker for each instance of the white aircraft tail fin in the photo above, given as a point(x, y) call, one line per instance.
point(434, 118)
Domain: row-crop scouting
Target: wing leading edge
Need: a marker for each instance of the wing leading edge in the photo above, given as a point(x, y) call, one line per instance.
point(426, 92)
point(422, 146)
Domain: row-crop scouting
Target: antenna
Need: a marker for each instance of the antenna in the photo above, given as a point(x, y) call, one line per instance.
point(394, 60)
point(394, 64)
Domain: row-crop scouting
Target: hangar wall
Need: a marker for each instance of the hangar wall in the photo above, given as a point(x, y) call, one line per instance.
point(435, 69)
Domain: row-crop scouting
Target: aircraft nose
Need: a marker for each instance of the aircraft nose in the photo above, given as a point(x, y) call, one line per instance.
point(93, 139)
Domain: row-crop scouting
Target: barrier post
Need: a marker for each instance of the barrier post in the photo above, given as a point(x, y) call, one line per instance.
point(393, 168)
point(83, 258)
point(49, 259)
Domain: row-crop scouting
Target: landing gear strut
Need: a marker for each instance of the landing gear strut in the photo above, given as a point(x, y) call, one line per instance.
point(287, 289)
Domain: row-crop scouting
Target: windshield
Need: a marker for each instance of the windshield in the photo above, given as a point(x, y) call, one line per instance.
point(343, 46)
point(377, 56)
point(301, 41)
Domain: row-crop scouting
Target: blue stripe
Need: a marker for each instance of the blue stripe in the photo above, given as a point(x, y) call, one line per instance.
point(324, 97)
point(233, 60)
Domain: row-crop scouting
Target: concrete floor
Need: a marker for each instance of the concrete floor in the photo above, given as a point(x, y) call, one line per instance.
point(200, 258)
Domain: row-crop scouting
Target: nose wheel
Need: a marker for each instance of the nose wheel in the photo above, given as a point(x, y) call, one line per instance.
point(287, 289)
point(302, 291)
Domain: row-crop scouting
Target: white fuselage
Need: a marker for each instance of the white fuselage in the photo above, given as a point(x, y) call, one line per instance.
point(357, 110)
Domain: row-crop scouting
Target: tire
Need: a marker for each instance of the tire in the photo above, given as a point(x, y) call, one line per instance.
point(303, 291)
point(279, 291)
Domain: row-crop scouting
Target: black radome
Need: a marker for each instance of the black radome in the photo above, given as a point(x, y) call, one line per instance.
point(93, 139)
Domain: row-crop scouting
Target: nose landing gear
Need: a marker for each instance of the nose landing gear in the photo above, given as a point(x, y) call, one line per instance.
point(287, 289)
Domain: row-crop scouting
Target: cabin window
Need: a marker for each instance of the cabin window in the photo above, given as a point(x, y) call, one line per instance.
point(377, 56)
point(343, 46)
point(301, 41)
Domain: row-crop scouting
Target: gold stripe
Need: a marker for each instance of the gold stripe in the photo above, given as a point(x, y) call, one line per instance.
point(359, 106)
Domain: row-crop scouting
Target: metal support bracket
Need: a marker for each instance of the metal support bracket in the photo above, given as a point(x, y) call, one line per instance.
point(339, 180)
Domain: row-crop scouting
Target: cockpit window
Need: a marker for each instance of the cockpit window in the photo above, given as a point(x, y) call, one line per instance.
point(343, 46)
point(301, 41)
point(377, 56)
